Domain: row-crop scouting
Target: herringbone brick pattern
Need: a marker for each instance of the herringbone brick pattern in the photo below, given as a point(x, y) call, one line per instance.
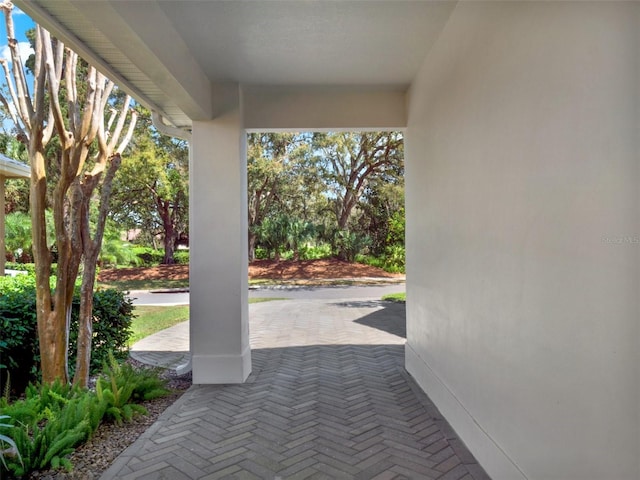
point(329, 407)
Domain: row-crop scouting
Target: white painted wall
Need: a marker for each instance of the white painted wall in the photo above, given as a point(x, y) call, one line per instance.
point(522, 171)
point(219, 326)
point(324, 108)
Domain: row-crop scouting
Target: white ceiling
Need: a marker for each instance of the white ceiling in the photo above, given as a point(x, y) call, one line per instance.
point(308, 42)
point(170, 54)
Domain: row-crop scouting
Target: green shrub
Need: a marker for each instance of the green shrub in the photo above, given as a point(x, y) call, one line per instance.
point(315, 252)
point(115, 252)
point(396, 228)
point(372, 260)
point(28, 267)
point(149, 256)
point(393, 261)
point(21, 267)
point(348, 244)
point(19, 352)
point(261, 253)
point(181, 257)
point(19, 349)
point(113, 314)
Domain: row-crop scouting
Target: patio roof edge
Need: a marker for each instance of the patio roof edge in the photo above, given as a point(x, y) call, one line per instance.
point(13, 169)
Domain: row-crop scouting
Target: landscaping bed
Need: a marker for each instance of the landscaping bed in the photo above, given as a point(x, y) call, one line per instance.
point(93, 458)
point(328, 268)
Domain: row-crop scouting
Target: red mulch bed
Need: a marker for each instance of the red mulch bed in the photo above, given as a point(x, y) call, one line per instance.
point(259, 269)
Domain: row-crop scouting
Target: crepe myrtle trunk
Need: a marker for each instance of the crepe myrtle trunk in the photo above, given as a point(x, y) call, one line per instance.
point(91, 247)
point(53, 310)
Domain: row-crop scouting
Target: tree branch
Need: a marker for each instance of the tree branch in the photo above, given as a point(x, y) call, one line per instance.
point(129, 134)
point(115, 137)
point(54, 89)
point(105, 194)
point(24, 100)
point(91, 113)
point(12, 114)
point(72, 91)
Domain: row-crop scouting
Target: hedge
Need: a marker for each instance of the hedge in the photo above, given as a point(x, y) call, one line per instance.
point(19, 350)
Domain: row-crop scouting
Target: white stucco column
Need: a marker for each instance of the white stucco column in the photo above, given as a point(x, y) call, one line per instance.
point(219, 331)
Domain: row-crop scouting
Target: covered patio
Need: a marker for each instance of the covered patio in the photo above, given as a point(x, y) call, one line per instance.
point(328, 397)
point(522, 130)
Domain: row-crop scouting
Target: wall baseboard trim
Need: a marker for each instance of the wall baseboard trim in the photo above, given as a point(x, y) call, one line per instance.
point(497, 464)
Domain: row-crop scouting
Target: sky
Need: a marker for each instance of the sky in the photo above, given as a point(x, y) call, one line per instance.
point(22, 22)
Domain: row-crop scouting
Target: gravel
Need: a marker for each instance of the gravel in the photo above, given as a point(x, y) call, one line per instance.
point(91, 459)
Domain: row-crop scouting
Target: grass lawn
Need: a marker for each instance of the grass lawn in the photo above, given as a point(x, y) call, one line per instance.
point(396, 297)
point(146, 284)
point(151, 318)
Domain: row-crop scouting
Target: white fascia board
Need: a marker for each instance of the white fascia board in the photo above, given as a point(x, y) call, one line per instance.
point(44, 17)
point(165, 57)
point(163, 68)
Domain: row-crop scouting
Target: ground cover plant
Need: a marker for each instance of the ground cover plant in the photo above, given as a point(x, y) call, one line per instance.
point(50, 421)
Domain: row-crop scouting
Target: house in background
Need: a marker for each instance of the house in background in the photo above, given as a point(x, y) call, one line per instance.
point(522, 131)
point(8, 169)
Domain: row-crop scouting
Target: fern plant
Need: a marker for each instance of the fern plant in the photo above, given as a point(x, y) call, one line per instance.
point(116, 399)
point(48, 424)
point(120, 386)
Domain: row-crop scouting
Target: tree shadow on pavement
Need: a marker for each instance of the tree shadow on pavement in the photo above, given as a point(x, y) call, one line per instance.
point(390, 317)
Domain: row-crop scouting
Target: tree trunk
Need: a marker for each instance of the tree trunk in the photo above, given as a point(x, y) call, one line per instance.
point(164, 210)
point(85, 321)
point(252, 245)
point(91, 248)
point(52, 332)
point(169, 247)
point(345, 209)
point(53, 338)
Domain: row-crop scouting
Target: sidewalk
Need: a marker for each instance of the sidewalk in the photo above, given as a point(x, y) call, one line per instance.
point(167, 348)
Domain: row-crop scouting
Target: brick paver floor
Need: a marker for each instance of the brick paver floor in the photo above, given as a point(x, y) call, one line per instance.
point(328, 398)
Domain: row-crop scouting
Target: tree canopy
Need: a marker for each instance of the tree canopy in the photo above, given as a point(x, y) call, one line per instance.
point(151, 191)
point(345, 187)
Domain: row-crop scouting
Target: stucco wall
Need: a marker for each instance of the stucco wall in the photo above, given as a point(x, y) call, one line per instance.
point(523, 236)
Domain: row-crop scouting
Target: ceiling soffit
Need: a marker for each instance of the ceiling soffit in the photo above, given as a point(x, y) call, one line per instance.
point(171, 55)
